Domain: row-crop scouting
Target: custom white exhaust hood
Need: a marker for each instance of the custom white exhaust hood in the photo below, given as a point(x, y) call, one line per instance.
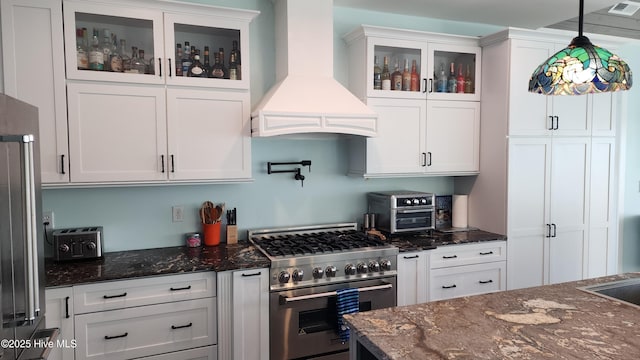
point(306, 97)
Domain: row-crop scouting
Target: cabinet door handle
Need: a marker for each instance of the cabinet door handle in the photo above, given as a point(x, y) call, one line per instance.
point(430, 88)
point(430, 158)
point(169, 66)
point(411, 257)
point(450, 257)
point(66, 307)
point(173, 327)
point(182, 288)
point(485, 281)
point(557, 122)
point(554, 230)
point(173, 165)
point(160, 67)
point(249, 275)
point(107, 337)
point(162, 163)
point(62, 164)
point(550, 119)
point(424, 159)
point(114, 296)
point(548, 231)
point(449, 287)
point(486, 253)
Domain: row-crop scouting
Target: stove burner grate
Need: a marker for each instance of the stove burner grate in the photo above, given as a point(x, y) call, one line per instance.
point(291, 245)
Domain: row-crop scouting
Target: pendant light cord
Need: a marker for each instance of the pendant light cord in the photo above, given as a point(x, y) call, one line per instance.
point(581, 18)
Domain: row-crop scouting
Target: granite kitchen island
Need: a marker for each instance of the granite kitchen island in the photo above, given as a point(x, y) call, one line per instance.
point(548, 322)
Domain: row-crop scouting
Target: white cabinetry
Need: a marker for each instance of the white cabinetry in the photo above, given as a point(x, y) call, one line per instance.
point(113, 320)
point(244, 314)
point(33, 69)
point(467, 269)
point(422, 132)
point(412, 277)
point(553, 190)
point(59, 313)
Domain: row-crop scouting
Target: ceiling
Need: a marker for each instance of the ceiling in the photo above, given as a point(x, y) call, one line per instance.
point(517, 13)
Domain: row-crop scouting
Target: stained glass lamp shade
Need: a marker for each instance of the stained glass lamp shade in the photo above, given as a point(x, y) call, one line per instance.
point(581, 68)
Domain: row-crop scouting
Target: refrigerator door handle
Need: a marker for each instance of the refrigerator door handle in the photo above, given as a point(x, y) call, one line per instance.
point(31, 263)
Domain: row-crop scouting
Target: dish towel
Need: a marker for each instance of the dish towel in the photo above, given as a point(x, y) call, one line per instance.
point(348, 302)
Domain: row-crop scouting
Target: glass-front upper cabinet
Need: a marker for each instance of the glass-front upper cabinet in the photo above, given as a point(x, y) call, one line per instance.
point(123, 43)
point(454, 72)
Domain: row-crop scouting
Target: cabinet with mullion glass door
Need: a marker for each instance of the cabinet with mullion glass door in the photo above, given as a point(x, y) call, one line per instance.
point(454, 70)
point(155, 32)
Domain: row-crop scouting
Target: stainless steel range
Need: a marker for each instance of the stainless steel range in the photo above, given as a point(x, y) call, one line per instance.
point(308, 265)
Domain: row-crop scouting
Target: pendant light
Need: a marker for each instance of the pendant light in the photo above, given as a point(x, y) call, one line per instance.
point(581, 68)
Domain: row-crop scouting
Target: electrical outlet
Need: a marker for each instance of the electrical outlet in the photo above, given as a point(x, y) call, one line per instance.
point(47, 217)
point(177, 213)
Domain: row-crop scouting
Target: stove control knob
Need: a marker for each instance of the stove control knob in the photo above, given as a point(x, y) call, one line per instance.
point(416, 201)
point(350, 269)
point(331, 271)
point(298, 275)
point(318, 272)
point(374, 266)
point(284, 277)
point(385, 264)
point(362, 268)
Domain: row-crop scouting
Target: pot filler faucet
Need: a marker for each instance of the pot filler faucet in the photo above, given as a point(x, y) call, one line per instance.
point(296, 171)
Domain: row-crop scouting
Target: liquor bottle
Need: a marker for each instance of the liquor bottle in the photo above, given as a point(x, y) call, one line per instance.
point(396, 78)
point(81, 50)
point(217, 70)
point(451, 81)
point(178, 59)
point(415, 78)
point(236, 54)
point(196, 69)
point(106, 46)
point(406, 76)
point(137, 66)
point(186, 58)
point(386, 76)
point(96, 56)
point(126, 60)
point(207, 61)
point(468, 82)
point(441, 80)
point(460, 80)
point(115, 62)
point(221, 58)
point(377, 74)
point(233, 67)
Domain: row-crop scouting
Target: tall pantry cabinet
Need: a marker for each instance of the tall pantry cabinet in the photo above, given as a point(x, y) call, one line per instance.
point(549, 179)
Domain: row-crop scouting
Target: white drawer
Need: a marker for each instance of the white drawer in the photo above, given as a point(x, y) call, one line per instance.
point(121, 294)
point(201, 353)
point(146, 330)
point(447, 283)
point(467, 254)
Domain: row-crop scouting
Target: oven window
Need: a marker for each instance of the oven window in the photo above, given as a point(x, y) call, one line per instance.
point(413, 220)
point(312, 321)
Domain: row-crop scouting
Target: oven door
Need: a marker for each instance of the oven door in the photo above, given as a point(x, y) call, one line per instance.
point(304, 322)
point(412, 219)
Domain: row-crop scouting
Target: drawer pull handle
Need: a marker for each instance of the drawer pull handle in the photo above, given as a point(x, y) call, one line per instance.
point(182, 288)
point(181, 326)
point(115, 296)
point(487, 253)
point(450, 257)
point(485, 281)
point(411, 257)
point(66, 307)
point(449, 287)
point(107, 337)
point(248, 275)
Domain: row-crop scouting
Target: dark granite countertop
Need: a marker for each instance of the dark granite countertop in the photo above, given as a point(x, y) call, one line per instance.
point(428, 241)
point(161, 261)
point(547, 322)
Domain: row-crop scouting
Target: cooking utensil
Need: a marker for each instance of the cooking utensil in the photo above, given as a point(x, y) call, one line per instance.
point(210, 213)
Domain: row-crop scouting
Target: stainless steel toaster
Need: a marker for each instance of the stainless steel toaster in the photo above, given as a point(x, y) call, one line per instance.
point(77, 243)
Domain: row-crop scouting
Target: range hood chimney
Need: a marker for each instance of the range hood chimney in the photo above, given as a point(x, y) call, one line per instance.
point(306, 97)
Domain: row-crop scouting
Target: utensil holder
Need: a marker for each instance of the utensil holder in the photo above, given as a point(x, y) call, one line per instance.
point(211, 234)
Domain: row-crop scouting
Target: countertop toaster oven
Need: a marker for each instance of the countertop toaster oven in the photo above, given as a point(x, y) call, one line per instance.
point(402, 210)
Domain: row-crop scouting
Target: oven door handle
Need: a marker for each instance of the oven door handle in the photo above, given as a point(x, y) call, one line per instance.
point(332, 293)
point(414, 211)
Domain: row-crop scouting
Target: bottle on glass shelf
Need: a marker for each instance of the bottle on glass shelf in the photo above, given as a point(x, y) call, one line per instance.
point(377, 74)
point(96, 56)
point(396, 78)
point(468, 82)
point(233, 68)
point(137, 66)
point(221, 58)
point(178, 59)
point(81, 50)
point(386, 76)
point(441, 80)
point(115, 62)
point(236, 54)
point(406, 76)
point(196, 69)
point(126, 60)
point(452, 83)
point(217, 71)
point(186, 58)
point(106, 46)
point(460, 80)
point(207, 61)
point(415, 78)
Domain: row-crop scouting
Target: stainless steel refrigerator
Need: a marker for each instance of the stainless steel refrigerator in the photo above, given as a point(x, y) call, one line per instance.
point(21, 242)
